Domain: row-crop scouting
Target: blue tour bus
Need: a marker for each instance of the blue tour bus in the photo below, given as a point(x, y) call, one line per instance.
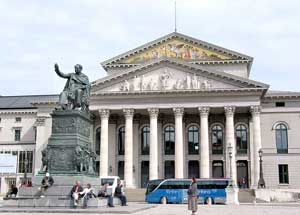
point(175, 190)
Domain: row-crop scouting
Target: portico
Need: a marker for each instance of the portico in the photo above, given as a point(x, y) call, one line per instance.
point(181, 119)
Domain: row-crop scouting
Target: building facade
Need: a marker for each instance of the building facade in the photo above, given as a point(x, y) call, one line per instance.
point(174, 107)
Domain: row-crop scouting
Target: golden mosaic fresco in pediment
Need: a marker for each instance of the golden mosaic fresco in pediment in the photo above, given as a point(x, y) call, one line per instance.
point(176, 49)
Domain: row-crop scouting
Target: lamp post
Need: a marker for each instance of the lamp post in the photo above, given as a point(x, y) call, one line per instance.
point(229, 148)
point(261, 181)
point(25, 171)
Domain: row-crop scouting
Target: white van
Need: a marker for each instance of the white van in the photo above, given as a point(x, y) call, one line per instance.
point(112, 183)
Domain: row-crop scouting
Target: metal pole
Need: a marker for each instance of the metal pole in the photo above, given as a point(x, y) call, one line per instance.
point(261, 181)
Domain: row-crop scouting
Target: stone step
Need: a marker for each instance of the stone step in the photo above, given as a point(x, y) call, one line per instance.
point(135, 195)
point(55, 202)
point(246, 196)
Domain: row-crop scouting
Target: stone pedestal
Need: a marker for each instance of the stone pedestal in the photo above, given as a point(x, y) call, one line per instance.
point(69, 151)
point(232, 196)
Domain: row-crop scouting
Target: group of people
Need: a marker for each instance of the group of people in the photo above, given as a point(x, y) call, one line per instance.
point(78, 192)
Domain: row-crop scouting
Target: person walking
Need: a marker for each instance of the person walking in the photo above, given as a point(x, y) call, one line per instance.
point(193, 197)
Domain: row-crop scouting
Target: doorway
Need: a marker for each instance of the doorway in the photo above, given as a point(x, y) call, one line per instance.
point(193, 169)
point(242, 174)
point(144, 173)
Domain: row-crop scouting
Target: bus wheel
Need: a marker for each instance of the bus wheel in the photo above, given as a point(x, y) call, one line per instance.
point(163, 200)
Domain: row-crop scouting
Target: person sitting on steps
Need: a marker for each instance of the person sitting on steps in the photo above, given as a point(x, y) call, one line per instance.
point(86, 194)
point(119, 192)
point(75, 192)
point(103, 192)
point(47, 182)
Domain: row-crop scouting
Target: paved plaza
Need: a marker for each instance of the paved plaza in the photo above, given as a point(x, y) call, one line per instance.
point(146, 209)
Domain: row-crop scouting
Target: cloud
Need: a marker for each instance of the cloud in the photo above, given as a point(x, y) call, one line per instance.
point(36, 34)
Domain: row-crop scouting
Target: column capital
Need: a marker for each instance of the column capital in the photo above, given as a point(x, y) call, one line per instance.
point(104, 113)
point(204, 111)
point(229, 110)
point(178, 111)
point(255, 110)
point(153, 112)
point(128, 112)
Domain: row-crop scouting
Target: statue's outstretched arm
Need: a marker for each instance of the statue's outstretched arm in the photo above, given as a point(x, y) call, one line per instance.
point(59, 73)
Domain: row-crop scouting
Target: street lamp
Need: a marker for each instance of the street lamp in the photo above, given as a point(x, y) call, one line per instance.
point(261, 181)
point(25, 171)
point(230, 148)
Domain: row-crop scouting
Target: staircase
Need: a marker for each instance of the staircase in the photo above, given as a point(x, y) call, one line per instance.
point(135, 195)
point(246, 196)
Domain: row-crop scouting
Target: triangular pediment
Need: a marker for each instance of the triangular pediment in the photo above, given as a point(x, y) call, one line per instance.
point(178, 46)
point(167, 74)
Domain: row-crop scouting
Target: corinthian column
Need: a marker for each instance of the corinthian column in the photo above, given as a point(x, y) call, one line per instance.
point(204, 142)
point(229, 137)
point(178, 112)
point(128, 157)
point(153, 158)
point(255, 111)
point(104, 115)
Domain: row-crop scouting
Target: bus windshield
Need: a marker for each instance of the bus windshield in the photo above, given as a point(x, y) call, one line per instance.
point(152, 185)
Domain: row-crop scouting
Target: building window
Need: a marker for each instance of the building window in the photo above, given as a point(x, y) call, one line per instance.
point(98, 140)
point(23, 155)
point(145, 140)
point(193, 140)
point(217, 139)
point(217, 169)
point(18, 119)
point(241, 139)
point(281, 138)
point(169, 169)
point(121, 140)
point(283, 173)
point(169, 137)
point(17, 134)
point(280, 104)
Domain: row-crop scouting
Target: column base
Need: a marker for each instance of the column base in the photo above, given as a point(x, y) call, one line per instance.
point(232, 196)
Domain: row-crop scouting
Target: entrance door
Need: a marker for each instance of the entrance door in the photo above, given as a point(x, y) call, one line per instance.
point(121, 169)
point(193, 169)
point(242, 174)
point(144, 173)
point(169, 169)
point(217, 169)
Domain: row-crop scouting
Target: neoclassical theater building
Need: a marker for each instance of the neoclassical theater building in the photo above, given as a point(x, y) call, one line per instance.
point(174, 107)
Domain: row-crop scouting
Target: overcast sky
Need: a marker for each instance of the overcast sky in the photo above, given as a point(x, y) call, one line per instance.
point(36, 34)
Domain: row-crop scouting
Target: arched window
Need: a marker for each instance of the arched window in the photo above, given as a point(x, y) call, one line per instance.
point(241, 139)
point(145, 140)
point(217, 139)
point(98, 140)
point(281, 138)
point(193, 140)
point(121, 140)
point(169, 139)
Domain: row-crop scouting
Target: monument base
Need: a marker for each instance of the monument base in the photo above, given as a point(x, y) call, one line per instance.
point(69, 150)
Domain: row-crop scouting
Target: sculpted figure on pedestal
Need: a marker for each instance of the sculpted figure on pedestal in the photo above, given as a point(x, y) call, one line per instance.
point(76, 92)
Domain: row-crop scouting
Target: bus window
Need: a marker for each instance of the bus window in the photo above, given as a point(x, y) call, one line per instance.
point(152, 185)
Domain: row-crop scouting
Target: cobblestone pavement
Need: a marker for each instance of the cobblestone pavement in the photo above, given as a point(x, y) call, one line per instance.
point(282, 209)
